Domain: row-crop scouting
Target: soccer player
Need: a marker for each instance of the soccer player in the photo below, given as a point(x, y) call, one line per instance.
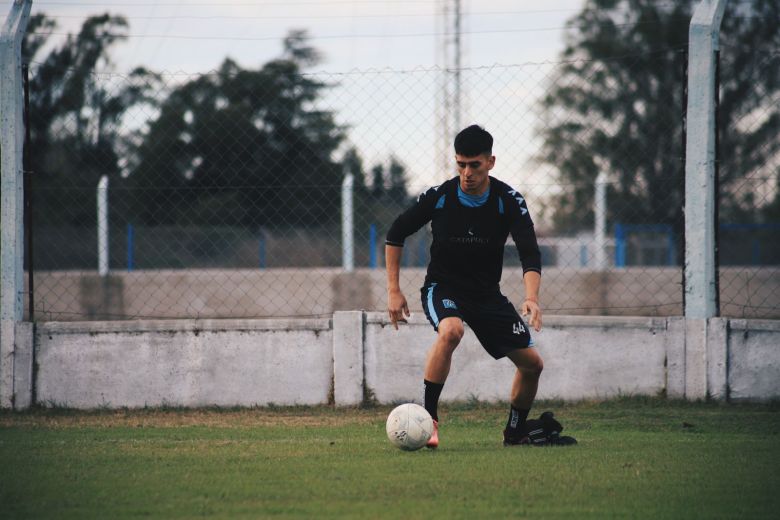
point(471, 216)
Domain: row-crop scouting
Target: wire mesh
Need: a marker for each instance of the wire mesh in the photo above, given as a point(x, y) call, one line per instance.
point(225, 188)
point(749, 170)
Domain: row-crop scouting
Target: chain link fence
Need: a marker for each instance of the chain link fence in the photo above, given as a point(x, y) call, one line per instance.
point(226, 190)
point(749, 171)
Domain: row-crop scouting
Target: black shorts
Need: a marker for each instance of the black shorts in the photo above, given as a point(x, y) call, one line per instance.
point(493, 318)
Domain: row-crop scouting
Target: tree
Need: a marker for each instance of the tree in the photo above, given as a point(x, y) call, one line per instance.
point(616, 105)
point(76, 118)
point(243, 147)
point(396, 174)
point(389, 184)
point(378, 181)
point(353, 163)
point(749, 115)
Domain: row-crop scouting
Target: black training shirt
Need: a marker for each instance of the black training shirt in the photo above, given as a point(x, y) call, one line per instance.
point(468, 242)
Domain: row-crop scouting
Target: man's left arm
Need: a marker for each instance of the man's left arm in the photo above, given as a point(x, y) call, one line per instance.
point(522, 228)
point(530, 305)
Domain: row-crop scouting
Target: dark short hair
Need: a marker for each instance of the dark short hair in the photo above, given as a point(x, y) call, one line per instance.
point(473, 140)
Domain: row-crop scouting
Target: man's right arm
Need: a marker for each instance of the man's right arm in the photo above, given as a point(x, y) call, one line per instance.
point(406, 224)
point(397, 307)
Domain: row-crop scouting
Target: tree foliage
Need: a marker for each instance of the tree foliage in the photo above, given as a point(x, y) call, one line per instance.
point(616, 105)
point(236, 147)
point(242, 146)
point(75, 118)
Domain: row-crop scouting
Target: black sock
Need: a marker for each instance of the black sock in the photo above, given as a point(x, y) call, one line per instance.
point(431, 398)
point(515, 425)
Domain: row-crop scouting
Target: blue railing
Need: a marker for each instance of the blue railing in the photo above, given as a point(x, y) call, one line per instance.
point(622, 230)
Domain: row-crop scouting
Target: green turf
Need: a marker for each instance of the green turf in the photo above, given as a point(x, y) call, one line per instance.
point(637, 458)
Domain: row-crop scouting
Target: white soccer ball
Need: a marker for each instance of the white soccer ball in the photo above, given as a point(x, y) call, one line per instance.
point(409, 426)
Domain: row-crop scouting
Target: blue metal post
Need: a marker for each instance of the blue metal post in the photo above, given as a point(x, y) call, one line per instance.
point(372, 246)
point(130, 247)
point(421, 256)
point(671, 255)
point(261, 251)
point(620, 246)
point(755, 252)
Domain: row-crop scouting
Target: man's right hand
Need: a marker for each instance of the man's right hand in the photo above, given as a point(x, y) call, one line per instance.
point(397, 307)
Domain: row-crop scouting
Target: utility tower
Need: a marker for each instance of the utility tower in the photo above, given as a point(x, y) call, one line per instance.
point(449, 94)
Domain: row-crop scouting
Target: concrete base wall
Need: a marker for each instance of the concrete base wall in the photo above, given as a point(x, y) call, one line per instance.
point(184, 363)
point(753, 362)
point(584, 358)
point(357, 355)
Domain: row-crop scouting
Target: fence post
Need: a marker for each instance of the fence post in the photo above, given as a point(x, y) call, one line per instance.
point(348, 374)
point(671, 248)
point(347, 225)
point(421, 250)
point(102, 225)
point(372, 246)
point(130, 247)
point(620, 246)
point(261, 250)
point(600, 231)
point(12, 205)
point(700, 148)
point(700, 161)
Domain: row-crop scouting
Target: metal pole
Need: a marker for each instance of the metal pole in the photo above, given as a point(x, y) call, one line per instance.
point(700, 284)
point(600, 231)
point(372, 246)
point(130, 248)
point(458, 64)
point(347, 225)
point(701, 299)
point(11, 192)
point(620, 245)
point(681, 185)
point(28, 197)
point(716, 187)
point(261, 249)
point(102, 225)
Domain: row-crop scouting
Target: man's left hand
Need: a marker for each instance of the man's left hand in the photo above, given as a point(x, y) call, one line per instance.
point(532, 308)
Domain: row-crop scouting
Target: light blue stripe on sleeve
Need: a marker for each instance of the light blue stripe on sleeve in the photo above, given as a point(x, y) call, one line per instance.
point(431, 310)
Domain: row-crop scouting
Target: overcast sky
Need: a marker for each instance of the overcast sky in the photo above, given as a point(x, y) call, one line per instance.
point(390, 114)
point(195, 35)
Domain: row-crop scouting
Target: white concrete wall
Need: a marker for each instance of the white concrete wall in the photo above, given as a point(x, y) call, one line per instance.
point(754, 360)
point(356, 355)
point(584, 358)
point(183, 363)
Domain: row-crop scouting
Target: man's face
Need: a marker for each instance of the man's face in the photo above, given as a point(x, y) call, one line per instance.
point(474, 172)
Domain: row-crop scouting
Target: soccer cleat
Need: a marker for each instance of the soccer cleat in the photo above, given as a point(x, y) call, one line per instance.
point(433, 442)
point(561, 440)
point(554, 439)
point(522, 440)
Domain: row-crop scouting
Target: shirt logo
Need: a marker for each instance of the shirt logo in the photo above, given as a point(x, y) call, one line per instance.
point(470, 238)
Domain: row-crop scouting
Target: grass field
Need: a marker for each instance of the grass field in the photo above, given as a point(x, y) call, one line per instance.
point(637, 458)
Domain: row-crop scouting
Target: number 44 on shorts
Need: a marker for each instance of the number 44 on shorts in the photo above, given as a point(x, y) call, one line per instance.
point(518, 328)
